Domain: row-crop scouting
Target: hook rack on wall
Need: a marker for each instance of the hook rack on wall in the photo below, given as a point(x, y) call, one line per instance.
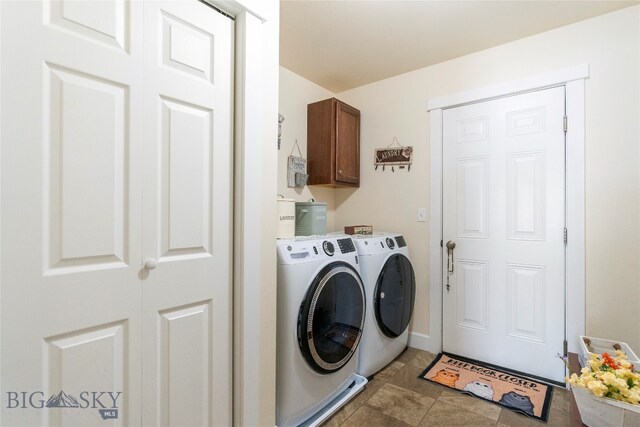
point(393, 155)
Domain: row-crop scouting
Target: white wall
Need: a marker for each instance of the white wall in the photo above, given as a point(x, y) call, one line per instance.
point(610, 44)
point(389, 200)
point(295, 93)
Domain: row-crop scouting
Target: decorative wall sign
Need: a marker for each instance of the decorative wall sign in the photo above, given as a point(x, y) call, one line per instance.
point(394, 155)
point(296, 169)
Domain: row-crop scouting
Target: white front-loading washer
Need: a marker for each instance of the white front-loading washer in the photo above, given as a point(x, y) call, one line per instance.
point(389, 282)
point(321, 315)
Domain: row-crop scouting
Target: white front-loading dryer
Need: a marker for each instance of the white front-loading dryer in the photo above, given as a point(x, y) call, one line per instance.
point(321, 315)
point(389, 282)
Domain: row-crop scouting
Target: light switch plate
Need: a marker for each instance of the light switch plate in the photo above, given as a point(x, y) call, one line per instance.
point(422, 214)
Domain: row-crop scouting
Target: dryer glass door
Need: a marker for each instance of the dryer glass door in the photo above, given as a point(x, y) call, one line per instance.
point(331, 318)
point(394, 296)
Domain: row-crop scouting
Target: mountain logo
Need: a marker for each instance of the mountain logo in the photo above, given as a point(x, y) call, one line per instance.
point(62, 400)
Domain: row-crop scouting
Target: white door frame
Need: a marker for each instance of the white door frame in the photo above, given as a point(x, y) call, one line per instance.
point(254, 249)
point(573, 79)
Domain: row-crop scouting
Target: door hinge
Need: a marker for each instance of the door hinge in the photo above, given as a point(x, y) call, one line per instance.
point(564, 123)
point(565, 236)
point(440, 243)
point(565, 348)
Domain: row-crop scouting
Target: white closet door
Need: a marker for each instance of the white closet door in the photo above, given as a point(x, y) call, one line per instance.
point(115, 152)
point(503, 206)
point(187, 215)
point(71, 206)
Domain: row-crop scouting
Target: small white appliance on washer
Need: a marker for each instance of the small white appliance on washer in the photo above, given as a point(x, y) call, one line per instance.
point(321, 314)
point(390, 287)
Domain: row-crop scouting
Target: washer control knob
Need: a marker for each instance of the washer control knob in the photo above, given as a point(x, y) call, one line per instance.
point(390, 243)
point(328, 248)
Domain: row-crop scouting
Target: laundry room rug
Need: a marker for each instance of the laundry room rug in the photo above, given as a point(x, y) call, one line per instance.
point(515, 392)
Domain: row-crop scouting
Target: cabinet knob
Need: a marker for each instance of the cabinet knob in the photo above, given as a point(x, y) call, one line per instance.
point(340, 171)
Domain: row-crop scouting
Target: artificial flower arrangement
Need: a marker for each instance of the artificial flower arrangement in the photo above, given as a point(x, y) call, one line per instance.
point(612, 377)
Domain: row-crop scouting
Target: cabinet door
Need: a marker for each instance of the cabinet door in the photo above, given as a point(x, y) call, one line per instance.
point(347, 144)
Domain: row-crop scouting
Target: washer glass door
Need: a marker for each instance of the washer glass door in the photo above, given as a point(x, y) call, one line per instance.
point(394, 296)
point(331, 318)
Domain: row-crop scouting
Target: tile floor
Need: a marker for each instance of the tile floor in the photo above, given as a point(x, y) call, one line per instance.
point(396, 397)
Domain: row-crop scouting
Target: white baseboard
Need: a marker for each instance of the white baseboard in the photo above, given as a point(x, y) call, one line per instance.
point(424, 342)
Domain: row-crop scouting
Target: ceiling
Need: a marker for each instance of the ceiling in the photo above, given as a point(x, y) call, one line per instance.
point(344, 44)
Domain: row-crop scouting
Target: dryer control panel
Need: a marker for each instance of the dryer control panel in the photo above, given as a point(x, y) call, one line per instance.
point(380, 243)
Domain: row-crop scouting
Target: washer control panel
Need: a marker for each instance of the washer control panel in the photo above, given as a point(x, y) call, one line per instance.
point(328, 248)
point(302, 250)
point(346, 245)
point(390, 243)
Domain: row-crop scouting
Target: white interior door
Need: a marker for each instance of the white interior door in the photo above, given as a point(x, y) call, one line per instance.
point(504, 208)
point(115, 148)
point(71, 206)
point(187, 215)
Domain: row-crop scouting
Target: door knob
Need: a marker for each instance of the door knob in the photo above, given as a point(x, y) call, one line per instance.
point(150, 263)
point(450, 247)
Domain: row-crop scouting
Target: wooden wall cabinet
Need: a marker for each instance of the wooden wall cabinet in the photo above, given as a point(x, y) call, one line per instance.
point(333, 144)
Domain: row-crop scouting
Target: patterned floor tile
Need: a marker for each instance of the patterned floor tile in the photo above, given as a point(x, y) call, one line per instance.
point(514, 419)
point(366, 416)
point(389, 370)
point(396, 397)
point(407, 377)
point(407, 355)
point(423, 359)
point(369, 390)
point(400, 403)
point(343, 414)
point(471, 404)
point(443, 414)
